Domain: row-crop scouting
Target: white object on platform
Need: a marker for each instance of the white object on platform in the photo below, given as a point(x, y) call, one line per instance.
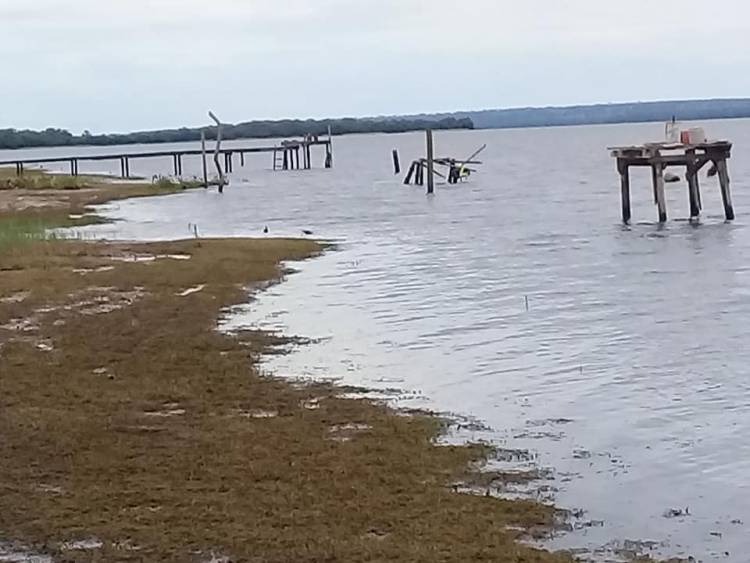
point(696, 135)
point(672, 132)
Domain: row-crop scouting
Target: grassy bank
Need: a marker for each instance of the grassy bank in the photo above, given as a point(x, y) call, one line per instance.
point(32, 204)
point(130, 423)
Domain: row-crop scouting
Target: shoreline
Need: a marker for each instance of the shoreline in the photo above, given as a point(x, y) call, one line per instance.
point(134, 426)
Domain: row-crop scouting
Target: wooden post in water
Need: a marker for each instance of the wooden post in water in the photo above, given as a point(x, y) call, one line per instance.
point(203, 159)
point(329, 150)
point(726, 195)
point(661, 198)
point(396, 163)
point(693, 186)
point(222, 180)
point(430, 163)
point(409, 174)
point(624, 170)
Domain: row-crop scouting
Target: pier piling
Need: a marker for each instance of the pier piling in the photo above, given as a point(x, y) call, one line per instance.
point(625, 192)
point(661, 198)
point(203, 159)
point(430, 163)
point(726, 196)
point(693, 186)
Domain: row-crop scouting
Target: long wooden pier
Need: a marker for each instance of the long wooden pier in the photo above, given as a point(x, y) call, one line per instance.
point(286, 156)
point(659, 156)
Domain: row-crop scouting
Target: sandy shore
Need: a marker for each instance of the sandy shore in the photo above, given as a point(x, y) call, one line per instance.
point(132, 430)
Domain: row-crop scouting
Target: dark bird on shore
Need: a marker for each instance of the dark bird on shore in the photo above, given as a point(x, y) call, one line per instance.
point(306, 232)
point(265, 229)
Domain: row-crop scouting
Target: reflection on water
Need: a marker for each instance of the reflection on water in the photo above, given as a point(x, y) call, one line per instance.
point(626, 375)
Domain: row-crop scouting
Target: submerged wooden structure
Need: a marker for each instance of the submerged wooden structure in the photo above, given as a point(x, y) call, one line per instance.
point(289, 149)
point(286, 156)
point(660, 156)
point(456, 169)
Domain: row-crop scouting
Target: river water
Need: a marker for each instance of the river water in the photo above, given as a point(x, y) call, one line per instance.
point(617, 355)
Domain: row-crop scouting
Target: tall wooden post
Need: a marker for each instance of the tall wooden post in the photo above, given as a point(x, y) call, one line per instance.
point(624, 170)
point(222, 180)
point(396, 163)
point(329, 156)
point(661, 198)
point(693, 187)
point(430, 163)
point(726, 195)
point(203, 159)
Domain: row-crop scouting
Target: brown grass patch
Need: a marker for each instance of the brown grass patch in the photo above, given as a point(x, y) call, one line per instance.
point(146, 434)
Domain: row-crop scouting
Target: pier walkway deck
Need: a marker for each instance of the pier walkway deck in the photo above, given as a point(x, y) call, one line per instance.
point(286, 156)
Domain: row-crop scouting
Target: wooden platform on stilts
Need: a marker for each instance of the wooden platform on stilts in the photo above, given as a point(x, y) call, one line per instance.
point(660, 156)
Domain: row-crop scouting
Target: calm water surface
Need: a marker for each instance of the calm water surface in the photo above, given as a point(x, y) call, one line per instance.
point(628, 374)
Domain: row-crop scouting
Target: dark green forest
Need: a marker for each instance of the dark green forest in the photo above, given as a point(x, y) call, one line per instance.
point(16, 139)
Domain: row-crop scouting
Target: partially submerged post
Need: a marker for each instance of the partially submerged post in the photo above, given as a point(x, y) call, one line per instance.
point(430, 163)
point(203, 159)
point(329, 150)
point(396, 163)
point(222, 180)
point(659, 156)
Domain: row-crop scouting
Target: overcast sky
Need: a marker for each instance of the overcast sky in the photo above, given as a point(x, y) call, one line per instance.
point(121, 65)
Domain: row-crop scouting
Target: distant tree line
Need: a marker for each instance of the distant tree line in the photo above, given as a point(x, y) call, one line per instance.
point(682, 110)
point(16, 139)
